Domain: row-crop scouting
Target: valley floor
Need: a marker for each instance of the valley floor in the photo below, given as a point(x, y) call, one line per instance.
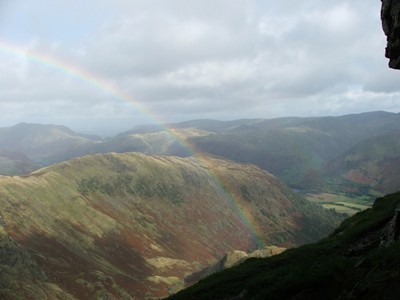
point(340, 203)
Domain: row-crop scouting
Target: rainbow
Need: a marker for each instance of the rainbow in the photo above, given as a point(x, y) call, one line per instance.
point(105, 86)
point(76, 72)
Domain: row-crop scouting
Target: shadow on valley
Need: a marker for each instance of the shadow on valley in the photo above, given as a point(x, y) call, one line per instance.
point(358, 261)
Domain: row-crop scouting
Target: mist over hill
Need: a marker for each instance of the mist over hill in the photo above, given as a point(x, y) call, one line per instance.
point(14, 163)
point(298, 150)
point(44, 144)
point(305, 153)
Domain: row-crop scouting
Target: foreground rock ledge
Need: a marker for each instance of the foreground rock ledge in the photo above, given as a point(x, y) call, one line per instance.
point(390, 15)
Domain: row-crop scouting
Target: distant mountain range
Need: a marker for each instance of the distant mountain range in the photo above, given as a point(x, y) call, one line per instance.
point(308, 154)
point(131, 226)
point(139, 216)
point(303, 151)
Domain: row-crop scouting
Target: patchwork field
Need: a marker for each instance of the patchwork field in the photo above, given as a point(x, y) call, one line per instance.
point(340, 203)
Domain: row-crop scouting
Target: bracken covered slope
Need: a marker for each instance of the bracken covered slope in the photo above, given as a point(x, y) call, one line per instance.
point(372, 164)
point(131, 226)
point(360, 260)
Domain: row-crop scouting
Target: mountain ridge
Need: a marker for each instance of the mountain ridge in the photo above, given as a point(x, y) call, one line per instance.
point(130, 225)
point(299, 151)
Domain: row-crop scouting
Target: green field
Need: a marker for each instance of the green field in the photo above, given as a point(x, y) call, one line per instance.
point(340, 203)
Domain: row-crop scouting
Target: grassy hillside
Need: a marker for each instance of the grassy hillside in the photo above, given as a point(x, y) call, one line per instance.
point(289, 153)
point(15, 163)
point(297, 149)
point(358, 261)
point(371, 164)
point(130, 226)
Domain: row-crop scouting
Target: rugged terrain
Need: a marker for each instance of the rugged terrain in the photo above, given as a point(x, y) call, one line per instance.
point(312, 155)
point(131, 226)
point(358, 261)
point(299, 150)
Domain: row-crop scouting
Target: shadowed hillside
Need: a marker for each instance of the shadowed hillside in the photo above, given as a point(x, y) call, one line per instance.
point(134, 226)
point(358, 261)
point(297, 149)
point(372, 164)
point(304, 153)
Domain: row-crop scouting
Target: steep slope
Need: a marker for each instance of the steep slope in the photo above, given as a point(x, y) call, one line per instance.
point(126, 226)
point(289, 153)
point(296, 149)
point(358, 261)
point(372, 164)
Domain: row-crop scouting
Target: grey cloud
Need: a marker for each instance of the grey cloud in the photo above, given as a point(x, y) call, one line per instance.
point(221, 59)
point(153, 44)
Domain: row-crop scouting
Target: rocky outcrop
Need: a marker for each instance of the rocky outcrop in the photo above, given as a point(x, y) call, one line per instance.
point(235, 257)
point(386, 235)
point(392, 231)
point(231, 259)
point(390, 15)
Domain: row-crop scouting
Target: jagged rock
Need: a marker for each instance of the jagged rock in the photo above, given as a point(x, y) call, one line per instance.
point(231, 259)
point(390, 16)
point(235, 257)
point(385, 236)
point(364, 244)
point(392, 230)
point(267, 251)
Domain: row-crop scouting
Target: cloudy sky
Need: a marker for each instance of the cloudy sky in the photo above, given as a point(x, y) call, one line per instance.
point(120, 63)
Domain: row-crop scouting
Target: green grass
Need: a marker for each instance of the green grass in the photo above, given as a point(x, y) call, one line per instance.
point(340, 203)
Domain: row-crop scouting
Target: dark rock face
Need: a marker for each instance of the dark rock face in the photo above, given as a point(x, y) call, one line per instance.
point(390, 15)
point(384, 236)
point(392, 231)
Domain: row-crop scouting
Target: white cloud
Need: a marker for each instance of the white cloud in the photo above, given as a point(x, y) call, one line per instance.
point(183, 59)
